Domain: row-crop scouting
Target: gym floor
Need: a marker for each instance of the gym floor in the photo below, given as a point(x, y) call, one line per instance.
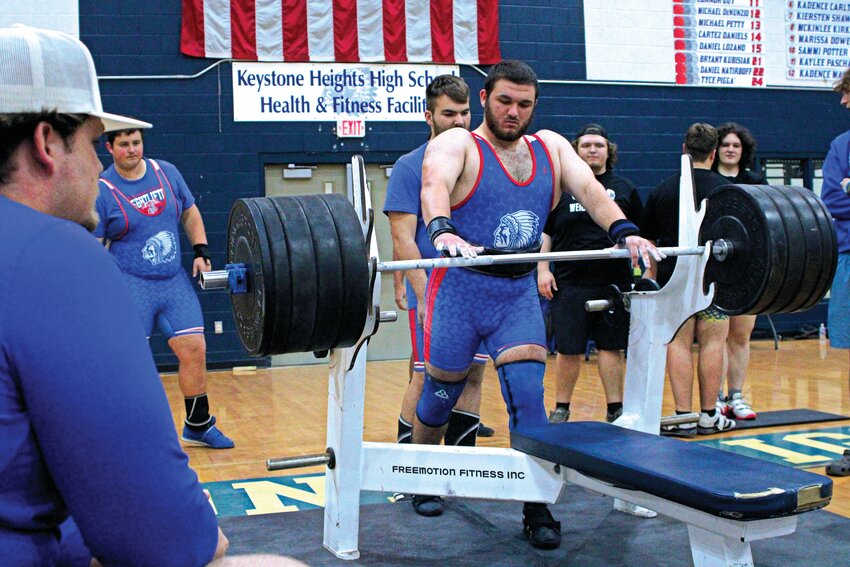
point(280, 412)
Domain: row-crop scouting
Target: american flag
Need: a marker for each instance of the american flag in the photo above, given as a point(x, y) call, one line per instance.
point(394, 31)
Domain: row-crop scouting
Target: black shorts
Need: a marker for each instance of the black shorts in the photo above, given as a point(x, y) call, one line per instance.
point(574, 326)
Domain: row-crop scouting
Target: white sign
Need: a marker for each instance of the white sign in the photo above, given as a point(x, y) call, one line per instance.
point(279, 92)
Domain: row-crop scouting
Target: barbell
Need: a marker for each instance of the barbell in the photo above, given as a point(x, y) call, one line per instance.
point(300, 275)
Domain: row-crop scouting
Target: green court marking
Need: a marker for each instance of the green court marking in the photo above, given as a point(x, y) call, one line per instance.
point(800, 449)
point(274, 495)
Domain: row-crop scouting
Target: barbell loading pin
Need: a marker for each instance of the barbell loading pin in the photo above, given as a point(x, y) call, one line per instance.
point(327, 458)
point(388, 316)
point(598, 305)
point(680, 419)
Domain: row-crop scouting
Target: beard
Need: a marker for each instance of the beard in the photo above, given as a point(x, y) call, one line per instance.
point(498, 131)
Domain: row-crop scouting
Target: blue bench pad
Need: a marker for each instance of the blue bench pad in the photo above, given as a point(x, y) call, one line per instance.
point(717, 482)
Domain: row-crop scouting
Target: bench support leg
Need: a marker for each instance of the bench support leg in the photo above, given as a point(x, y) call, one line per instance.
point(710, 549)
point(346, 389)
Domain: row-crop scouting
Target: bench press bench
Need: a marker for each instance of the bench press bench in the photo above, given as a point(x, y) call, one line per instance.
point(726, 499)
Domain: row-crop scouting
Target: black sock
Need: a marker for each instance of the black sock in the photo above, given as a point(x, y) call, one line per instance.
point(565, 405)
point(710, 412)
point(197, 412)
point(615, 406)
point(405, 431)
point(682, 412)
point(462, 429)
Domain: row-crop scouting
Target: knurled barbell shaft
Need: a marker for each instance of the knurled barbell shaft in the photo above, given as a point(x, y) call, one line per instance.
point(217, 279)
point(570, 256)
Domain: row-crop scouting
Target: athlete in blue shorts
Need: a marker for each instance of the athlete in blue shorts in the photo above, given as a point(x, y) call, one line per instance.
point(492, 190)
point(447, 106)
point(141, 203)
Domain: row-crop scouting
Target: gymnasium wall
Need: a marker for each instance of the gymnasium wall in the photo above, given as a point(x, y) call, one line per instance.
point(222, 160)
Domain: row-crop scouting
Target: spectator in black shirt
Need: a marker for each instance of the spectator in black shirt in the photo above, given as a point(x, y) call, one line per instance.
point(661, 224)
point(734, 158)
point(570, 227)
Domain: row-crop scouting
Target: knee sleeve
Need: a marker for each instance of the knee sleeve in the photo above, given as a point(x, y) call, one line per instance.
point(522, 389)
point(437, 400)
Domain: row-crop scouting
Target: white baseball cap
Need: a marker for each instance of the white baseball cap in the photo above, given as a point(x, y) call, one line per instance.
point(45, 70)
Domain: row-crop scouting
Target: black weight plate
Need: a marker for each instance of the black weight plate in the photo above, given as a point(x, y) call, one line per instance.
point(302, 270)
point(281, 308)
point(829, 248)
point(328, 270)
point(750, 277)
point(813, 259)
point(774, 231)
point(357, 295)
point(247, 244)
point(795, 237)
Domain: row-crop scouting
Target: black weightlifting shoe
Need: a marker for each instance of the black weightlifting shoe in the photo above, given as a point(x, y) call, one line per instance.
point(539, 527)
point(484, 431)
point(427, 505)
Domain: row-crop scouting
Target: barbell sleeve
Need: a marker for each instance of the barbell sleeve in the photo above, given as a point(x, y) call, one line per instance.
point(214, 279)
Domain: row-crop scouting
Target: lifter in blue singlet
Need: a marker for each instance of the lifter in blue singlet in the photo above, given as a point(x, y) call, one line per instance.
point(492, 191)
point(141, 203)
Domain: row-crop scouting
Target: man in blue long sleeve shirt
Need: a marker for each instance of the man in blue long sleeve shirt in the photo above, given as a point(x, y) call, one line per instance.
point(85, 427)
point(836, 186)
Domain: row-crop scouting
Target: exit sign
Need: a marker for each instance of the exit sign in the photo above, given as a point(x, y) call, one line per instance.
point(348, 128)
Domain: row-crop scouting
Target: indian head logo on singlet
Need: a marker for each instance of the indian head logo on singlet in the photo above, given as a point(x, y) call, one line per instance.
point(160, 248)
point(516, 231)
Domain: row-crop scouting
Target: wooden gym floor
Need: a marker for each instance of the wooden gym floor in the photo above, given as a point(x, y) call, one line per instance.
point(281, 412)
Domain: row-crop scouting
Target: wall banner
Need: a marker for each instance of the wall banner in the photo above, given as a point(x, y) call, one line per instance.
point(285, 92)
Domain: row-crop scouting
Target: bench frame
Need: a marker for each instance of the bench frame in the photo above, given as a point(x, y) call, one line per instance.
point(389, 467)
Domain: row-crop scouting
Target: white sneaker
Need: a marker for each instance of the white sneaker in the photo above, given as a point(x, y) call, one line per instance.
point(738, 408)
point(708, 425)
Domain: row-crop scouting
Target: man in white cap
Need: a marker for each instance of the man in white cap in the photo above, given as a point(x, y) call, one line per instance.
point(85, 427)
